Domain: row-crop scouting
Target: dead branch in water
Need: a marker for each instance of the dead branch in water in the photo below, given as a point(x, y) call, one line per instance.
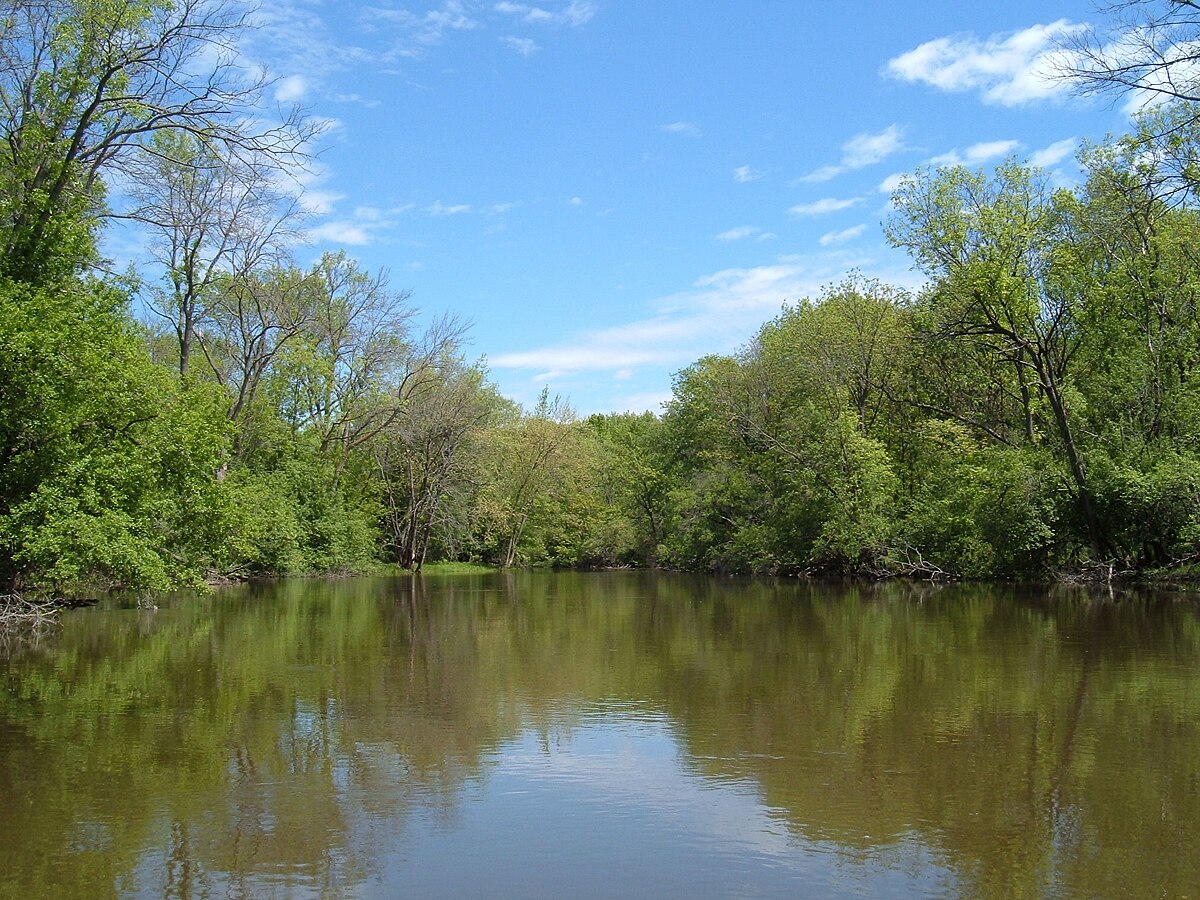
point(15, 609)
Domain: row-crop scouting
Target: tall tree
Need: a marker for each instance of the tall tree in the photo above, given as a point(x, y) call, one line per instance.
point(86, 84)
point(1146, 46)
point(1002, 286)
point(526, 457)
point(423, 456)
point(359, 364)
point(214, 220)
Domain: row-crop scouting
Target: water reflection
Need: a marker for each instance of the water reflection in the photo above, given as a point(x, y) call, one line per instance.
point(605, 734)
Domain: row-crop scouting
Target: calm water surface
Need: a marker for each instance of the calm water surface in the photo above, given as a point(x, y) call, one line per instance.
point(596, 735)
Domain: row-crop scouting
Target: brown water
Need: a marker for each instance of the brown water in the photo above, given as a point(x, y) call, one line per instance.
point(597, 735)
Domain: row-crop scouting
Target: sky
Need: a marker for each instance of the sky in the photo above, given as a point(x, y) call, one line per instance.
point(608, 190)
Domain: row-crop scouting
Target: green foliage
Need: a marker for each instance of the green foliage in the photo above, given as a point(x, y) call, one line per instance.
point(1151, 504)
point(1036, 405)
point(105, 459)
point(980, 510)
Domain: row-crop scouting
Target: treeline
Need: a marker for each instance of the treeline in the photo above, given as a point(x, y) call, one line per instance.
point(1033, 409)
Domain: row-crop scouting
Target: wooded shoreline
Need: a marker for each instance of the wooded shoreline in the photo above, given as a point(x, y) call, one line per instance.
point(1033, 410)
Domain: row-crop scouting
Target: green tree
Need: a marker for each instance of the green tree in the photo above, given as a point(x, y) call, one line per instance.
point(84, 87)
point(424, 459)
point(1004, 287)
point(102, 462)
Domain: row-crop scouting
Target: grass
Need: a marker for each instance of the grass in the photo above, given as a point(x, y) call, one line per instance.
point(456, 568)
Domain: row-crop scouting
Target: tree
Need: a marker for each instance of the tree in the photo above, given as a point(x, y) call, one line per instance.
point(845, 350)
point(526, 457)
point(1135, 235)
point(1003, 287)
point(84, 87)
point(251, 321)
point(214, 219)
point(1147, 46)
point(357, 364)
point(423, 455)
point(105, 473)
point(634, 481)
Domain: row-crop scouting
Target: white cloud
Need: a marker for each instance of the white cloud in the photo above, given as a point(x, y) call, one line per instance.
point(729, 303)
point(744, 174)
point(574, 14)
point(976, 154)
point(893, 181)
point(862, 150)
point(342, 232)
point(438, 208)
point(524, 46)
point(649, 401)
point(576, 201)
point(1054, 154)
point(737, 234)
point(716, 314)
point(685, 129)
point(359, 228)
point(293, 37)
point(319, 202)
point(834, 238)
point(307, 186)
point(867, 149)
point(291, 89)
point(1008, 69)
point(824, 206)
point(419, 32)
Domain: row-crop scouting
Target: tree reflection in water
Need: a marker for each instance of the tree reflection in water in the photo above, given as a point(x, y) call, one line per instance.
point(349, 737)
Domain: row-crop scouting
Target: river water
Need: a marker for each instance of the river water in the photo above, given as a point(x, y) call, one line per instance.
point(604, 735)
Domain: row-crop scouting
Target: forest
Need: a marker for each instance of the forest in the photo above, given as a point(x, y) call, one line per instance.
point(228, 411)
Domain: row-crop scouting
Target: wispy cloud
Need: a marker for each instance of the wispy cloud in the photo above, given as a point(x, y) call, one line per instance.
point(1008, 69)
point(684, 129)
point(824, 206)
point(574, 14)
point(524, 46)
point(438, 208)
point(420, 31)
point(359, 229)
point(893, 181)
point(739, 234)
point(291, 89)
point(717, 313)
point(292, 37)
point(862, 150)
point(745, 174)
point(1054, 154)
point(976, 154)
point(834, 238)
point(339, 232)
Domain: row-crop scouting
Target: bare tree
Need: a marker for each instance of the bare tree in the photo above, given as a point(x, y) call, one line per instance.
point(422, 457)
point(85, 85)
point(213, 219)
point(360, 365)
point(1146, 45)
point(251, 322)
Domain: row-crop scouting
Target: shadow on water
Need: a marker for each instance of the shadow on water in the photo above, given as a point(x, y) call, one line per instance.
point(299, 736)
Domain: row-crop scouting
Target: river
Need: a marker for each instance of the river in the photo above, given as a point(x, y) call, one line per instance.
point(615, 734)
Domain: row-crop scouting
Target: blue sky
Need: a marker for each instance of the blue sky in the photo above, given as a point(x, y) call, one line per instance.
point(610, 189)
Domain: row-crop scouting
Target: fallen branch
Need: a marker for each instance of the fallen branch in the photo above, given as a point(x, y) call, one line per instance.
point(15, 609)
